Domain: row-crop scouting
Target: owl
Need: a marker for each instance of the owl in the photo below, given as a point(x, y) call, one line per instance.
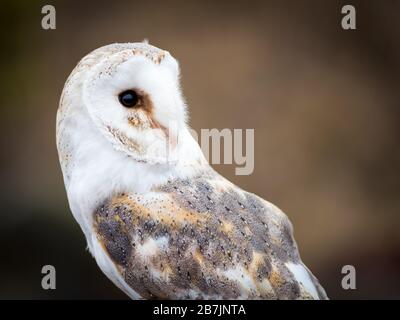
point(160, 222)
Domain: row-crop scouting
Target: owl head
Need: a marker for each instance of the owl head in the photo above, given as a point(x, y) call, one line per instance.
point(130, 95)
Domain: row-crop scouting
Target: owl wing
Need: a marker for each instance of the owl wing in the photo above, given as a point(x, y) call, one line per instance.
point(203, 238)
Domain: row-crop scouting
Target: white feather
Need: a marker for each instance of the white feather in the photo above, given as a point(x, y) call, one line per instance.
point(301, 274)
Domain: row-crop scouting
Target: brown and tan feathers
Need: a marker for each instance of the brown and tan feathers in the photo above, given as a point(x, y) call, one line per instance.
point(202, 238)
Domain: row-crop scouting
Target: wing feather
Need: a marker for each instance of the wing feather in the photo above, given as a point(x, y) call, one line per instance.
point(203, 238)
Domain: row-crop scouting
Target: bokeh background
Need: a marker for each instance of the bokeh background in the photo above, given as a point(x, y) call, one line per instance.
point(324, 103)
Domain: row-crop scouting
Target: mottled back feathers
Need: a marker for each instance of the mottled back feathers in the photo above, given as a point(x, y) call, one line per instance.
point(199, 239)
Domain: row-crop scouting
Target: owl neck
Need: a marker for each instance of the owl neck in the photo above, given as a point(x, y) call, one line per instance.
point(95, 170)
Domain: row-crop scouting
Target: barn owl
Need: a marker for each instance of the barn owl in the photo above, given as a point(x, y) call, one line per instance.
point(160, 222)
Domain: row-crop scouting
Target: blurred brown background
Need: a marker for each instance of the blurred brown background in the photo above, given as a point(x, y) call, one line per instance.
point(324, 104)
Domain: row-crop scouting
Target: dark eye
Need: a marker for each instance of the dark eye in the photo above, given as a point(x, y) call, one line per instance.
point(128, 98)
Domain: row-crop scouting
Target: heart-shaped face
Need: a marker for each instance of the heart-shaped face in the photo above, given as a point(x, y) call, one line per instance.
point(134, 99)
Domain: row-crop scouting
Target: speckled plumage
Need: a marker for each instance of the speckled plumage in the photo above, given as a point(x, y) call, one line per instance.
point(208, 240)
point(162, 228)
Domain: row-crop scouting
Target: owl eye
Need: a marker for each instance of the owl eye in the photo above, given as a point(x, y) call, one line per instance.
point(128, 98)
